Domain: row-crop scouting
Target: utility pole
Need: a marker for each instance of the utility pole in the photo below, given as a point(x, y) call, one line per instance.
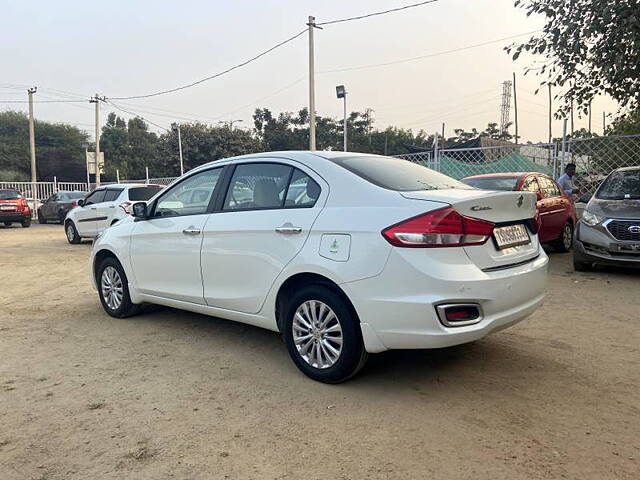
point(572, 117)
point(176, 126)
point(550, 115)
point(96, 100)
point(589, 116)
point(604, 124)
point(32, 148)
point(312, 87)
point(515, 105)
point(443, 145)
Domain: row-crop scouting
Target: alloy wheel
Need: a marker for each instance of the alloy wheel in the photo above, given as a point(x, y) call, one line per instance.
point(567, 236)
point(111, 287)
point(70, 232)
point(317, 334)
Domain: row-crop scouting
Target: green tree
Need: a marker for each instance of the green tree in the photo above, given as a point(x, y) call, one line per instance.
point(590, 47)
point(59, 149)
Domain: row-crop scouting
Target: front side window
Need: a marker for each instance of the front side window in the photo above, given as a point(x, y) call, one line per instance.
point(96, 197)
point(189, 197)
point(620, 185)
point(257, 186)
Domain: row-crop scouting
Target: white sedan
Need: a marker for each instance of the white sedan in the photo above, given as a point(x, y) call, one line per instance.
point(345, 254)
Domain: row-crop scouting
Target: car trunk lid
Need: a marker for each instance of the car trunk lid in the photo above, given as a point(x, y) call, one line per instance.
point(502, 208)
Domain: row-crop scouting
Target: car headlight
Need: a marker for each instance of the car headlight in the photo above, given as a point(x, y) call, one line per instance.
point(591, 219)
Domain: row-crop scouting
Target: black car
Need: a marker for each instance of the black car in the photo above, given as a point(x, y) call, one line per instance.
point(609, 231)
point(55, 207)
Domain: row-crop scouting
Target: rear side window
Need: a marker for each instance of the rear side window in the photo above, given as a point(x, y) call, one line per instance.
point(548, 187)
point(74, 195)
point(396, 174)
point(257, 186)
point(141, 194)
point(111, 195)
point(9, 195)
point(493, 183)
point(303, 191)
point(530, 184)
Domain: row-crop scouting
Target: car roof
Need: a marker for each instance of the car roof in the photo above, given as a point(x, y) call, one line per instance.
point(127, 185)
point(628, 169)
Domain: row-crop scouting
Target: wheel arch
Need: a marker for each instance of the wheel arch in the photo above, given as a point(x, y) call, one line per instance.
point(100, 256)
point(302, 279)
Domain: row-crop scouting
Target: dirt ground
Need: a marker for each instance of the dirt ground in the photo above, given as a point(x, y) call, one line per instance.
point(175, 395)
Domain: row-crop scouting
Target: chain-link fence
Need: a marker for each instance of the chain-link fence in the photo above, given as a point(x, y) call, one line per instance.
point(594, 157)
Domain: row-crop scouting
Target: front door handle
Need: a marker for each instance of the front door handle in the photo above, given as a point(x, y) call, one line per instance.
point(289, 229)
point(191, 231)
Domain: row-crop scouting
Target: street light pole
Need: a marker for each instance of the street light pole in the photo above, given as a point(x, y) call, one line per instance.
point(96, 100)
point(32, 148)
point(341, 92)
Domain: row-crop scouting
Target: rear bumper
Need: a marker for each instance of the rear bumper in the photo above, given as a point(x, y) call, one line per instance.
point(592, 245)
point(397, 308)
point(14, 217)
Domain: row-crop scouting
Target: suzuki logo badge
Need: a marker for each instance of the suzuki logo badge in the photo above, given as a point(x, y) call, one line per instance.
point(520, 200)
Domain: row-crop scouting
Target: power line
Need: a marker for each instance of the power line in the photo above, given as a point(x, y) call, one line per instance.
point(44, 101)
point(135, 114)
point(429, 55)
point(360, 17)
point(211, 77)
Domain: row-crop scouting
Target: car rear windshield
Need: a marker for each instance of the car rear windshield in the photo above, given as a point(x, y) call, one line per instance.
point(397, 174)
point(492, 183)
point(139, 194)
point(73, 195)
point(620, 185)
point(9, 195)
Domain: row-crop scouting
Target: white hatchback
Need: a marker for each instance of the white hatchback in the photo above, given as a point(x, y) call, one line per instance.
point(103, 207)
point(345, 254)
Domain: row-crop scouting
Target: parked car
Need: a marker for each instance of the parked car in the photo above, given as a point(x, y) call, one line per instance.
point(609, 231)
point(14, 208)
point(103, 207)
point(557, 210)
point(345, 254)
point(57, 206)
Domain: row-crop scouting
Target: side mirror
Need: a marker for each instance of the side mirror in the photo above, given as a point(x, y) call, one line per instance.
point(139, 210)
point(81, 202)
point(585, 198)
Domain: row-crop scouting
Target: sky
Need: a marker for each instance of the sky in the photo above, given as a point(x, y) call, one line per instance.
point(75, 49)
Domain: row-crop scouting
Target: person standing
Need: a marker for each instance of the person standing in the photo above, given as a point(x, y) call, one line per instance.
point(566, 180)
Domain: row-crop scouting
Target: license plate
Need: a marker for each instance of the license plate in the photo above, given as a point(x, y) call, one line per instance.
point(7, 207)
point(511, 236)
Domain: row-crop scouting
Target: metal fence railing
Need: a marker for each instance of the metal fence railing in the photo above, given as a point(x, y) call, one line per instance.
point(594, 157)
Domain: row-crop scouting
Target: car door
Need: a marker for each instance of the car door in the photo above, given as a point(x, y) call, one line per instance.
point(87, 217)
point(165, 248)
point(553, 213)
point(107, 209)
point(263, 221)
point(48, 207)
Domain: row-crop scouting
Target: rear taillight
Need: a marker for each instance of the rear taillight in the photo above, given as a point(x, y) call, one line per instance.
point(440, 228)
point(23, 206)
point(126, 206)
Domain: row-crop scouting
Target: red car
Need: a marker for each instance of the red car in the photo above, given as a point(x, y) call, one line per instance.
point(14, 208)
point(556, 208)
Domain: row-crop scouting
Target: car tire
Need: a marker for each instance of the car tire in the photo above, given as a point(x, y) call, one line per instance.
point(113, 289)
point(564, 242)
point(304, 314)
point(26, 223)
point(72, 233)
point(579, 266)
point(7, 224)
point(41, 219)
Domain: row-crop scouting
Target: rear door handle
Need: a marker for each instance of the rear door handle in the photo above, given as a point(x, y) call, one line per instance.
point(191, 231)
point(289, 230)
